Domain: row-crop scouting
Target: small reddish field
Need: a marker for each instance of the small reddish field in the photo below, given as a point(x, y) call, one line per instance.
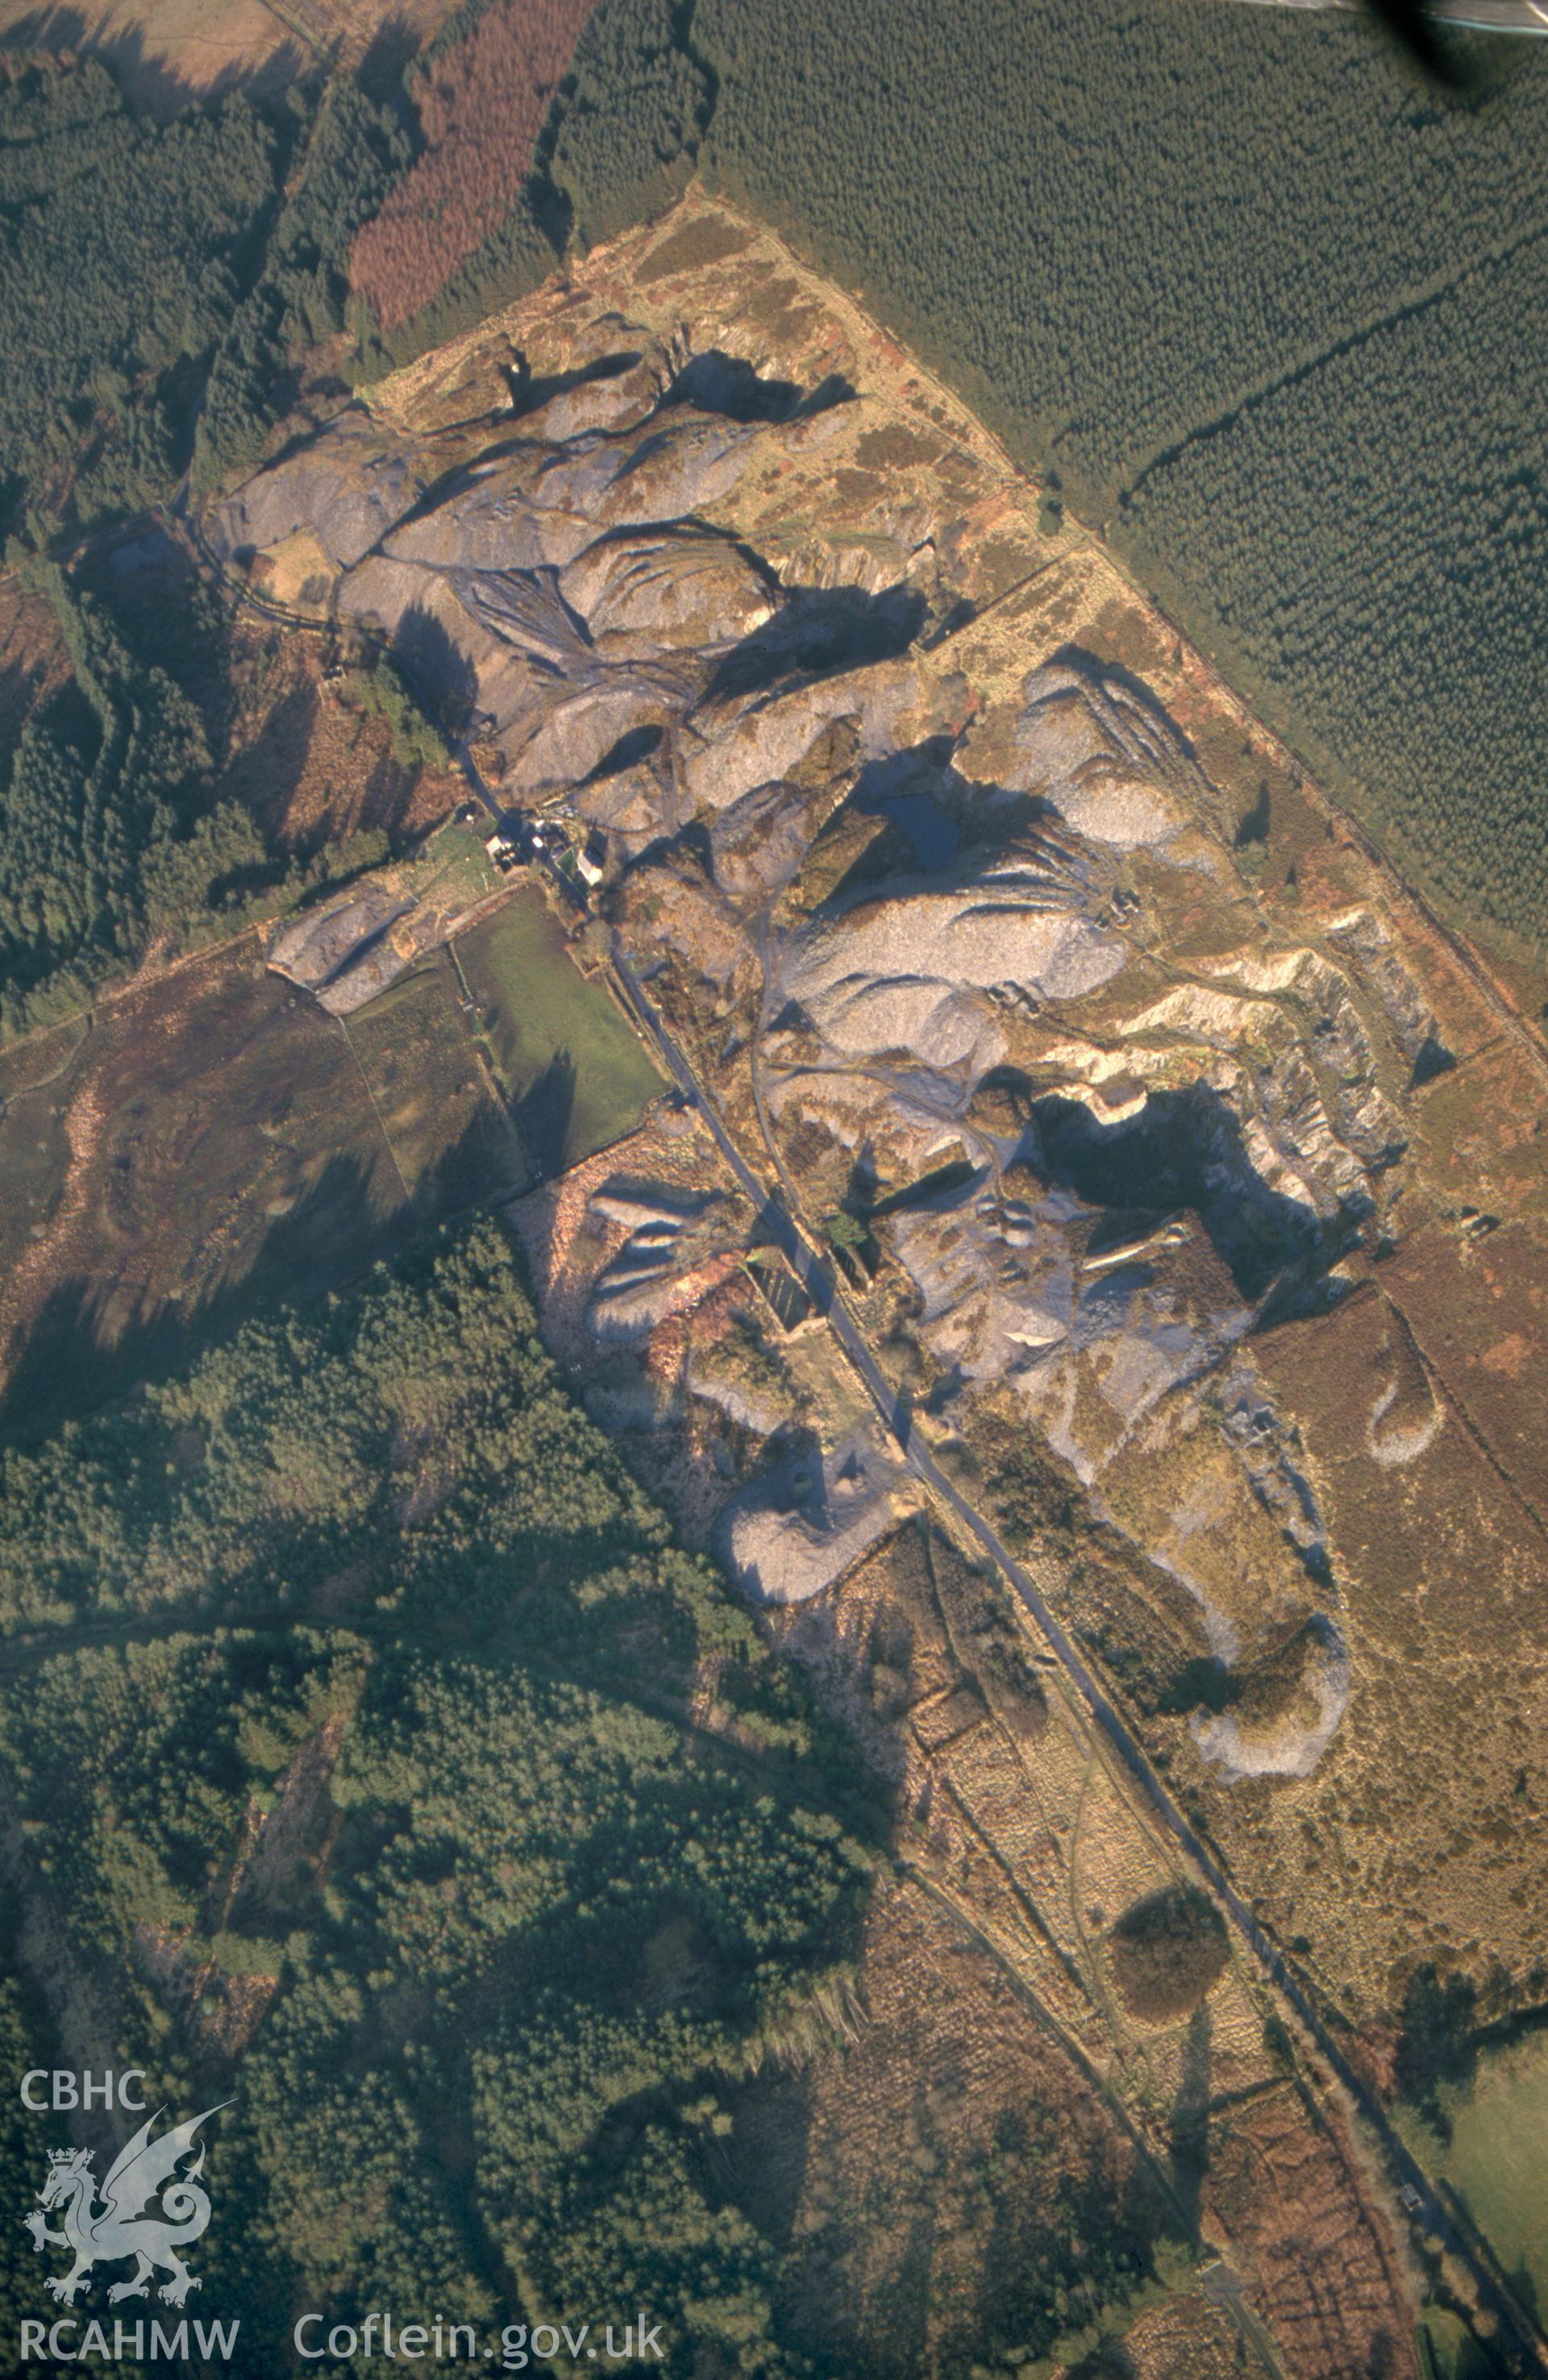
point(481, 105)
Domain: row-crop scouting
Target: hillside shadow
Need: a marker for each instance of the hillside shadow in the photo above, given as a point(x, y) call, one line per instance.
point(902, 788)
point(635, 747)
point(439, 675)
point(149, 80)
point(1025, 2256)
point(387, 59)
point(1185, 1150)
point(543, 1114)
point(67, 1368)
point(919, 835)
point(819, 630)
point(715, 382)
point(1438, 2041)
point(531, 390)
point(265, 774)
point(1188, 2125)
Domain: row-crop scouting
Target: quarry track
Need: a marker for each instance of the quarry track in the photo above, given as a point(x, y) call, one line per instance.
point(895, 1412)
point(1252, 2333)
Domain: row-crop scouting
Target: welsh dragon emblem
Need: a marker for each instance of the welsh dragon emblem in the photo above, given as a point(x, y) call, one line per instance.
point(101, 2226)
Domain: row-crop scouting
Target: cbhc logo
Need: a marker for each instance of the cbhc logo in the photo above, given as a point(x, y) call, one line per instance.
point(81, 2090)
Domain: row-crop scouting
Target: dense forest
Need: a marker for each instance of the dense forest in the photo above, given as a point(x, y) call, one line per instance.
point(381, 1767)
point(113, 836)
point(121, 250)
point(522, 1931)
point(22, 2142)
point(417, 1432)
point(158, 285)
point(158, 282)
point(489, 1921)
point(353, 151)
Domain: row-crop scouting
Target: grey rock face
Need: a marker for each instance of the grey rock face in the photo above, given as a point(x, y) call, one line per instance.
point(346, 485)
point(934, 894)
point(791, 1532)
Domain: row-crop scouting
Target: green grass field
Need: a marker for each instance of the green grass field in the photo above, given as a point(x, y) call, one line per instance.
point(452, 1143)
point(452, 871)
point(1497, 2158)
point(576, 1076)
point(1447, 2351)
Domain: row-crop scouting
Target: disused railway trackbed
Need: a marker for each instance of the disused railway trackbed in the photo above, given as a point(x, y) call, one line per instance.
point(895, 1416)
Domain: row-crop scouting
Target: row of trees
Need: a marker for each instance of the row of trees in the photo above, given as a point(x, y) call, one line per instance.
point(353, 151)
point(103, 783)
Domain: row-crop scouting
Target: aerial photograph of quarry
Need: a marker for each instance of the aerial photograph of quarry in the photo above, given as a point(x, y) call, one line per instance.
point(773, 1188)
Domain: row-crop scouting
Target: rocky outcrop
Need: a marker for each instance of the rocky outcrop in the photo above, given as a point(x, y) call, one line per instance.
point(349, 484)
point(911, 820)
point(797, 1529)
point(658, 1268)
point(1111, 763)
point(674, 588)
point(916, 968)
